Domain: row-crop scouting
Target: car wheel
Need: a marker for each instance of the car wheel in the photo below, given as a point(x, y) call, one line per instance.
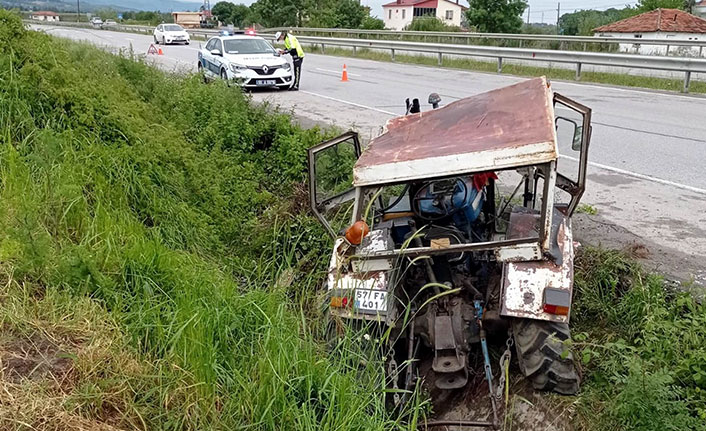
point(187, 42)
point(155, 40)
point(201, 72)
point(224, 76)
point(164, 42)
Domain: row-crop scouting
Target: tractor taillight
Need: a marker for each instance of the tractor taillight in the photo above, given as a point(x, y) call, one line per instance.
point(339, 301)
point(556, 309)
point(557, 301)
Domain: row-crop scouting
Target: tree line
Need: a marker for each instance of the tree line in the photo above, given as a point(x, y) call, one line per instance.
point(488, 16)
point(285, 13)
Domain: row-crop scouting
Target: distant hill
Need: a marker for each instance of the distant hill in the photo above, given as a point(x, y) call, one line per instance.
point(92, 5)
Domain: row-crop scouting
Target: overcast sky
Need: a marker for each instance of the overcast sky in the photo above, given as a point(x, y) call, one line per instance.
point(538, 9)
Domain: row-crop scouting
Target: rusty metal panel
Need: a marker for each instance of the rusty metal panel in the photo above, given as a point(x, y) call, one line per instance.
point(504, 128)
point(524, 282)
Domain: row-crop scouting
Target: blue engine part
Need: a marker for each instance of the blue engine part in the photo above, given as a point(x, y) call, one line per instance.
point(465, 197)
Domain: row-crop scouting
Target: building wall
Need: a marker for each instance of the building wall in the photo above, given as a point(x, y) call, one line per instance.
point(393, 17)
point(457, 11)
point(700, 11)
point(638, 48)
point(45, 18)
point(187, 19)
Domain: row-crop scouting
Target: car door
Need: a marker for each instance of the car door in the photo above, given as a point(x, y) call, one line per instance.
point(331, 180)
point(211, 62)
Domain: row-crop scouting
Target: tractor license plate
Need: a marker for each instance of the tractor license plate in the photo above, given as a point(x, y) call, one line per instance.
point(265, 82)
point(371, 300)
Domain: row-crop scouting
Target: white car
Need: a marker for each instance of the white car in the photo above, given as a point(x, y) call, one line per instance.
point(250, 61)
point(170, 33)
point(96, 21)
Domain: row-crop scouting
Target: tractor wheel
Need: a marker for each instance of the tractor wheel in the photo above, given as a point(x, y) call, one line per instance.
point(544, 357)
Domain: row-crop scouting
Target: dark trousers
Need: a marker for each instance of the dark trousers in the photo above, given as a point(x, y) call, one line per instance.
point(297, 71)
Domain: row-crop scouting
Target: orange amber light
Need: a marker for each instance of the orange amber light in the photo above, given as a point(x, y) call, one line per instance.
point(357, 232)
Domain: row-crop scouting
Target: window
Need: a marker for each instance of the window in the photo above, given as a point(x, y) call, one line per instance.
point(248, 46)
point(403, 13)
point(638, 36)
point(424, 11)
point(449, 14)
point(389, 14)
point(213, 44)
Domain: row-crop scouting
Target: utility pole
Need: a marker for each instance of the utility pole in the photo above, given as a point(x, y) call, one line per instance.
point(78, 10)
point(528, 13)
point(558, 10)
point(542, 17)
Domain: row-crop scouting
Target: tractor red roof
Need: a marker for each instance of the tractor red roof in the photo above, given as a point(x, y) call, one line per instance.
point(670, 20)
point(503, 128)
point(44, 13)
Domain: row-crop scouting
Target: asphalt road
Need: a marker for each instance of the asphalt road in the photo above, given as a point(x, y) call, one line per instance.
point(648, 148)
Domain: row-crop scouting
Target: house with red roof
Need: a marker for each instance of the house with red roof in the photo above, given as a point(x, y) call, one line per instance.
point(400, 13)
point(668, 24)
point(44, 15)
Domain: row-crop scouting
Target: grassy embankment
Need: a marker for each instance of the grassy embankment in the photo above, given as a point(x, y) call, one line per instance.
point(160, 269)
point(158, 262)
point(625, 80)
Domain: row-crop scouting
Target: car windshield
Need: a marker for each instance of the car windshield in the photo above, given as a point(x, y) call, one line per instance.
point(248, 46)
point(173, 27)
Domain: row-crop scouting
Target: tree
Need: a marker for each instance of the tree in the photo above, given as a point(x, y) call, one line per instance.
point(430, 24)
point(239, 15)
point(223, 11)
point(584, 21)
point(688, 5)
point(282, 13)
point(370, 23)
point(313, 13)
point(648, 5)
point(496, 16)
point(349, 14)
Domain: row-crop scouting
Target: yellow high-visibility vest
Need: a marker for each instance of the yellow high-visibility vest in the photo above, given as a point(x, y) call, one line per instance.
point(291, 42)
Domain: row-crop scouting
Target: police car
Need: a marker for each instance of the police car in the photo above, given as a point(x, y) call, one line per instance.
point(246, 59)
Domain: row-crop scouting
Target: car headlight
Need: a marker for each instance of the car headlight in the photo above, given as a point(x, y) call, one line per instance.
point(237, 67)
point(286, 66)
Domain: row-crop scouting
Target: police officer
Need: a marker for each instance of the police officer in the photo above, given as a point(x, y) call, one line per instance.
point(293, 48)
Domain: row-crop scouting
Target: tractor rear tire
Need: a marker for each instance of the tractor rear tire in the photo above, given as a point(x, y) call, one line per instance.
point(544, 357)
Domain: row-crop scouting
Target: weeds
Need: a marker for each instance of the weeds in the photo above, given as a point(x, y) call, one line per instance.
point(642, 347)
point(162, 207)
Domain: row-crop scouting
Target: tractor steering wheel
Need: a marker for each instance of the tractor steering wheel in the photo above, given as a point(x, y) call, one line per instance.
point(442, 201)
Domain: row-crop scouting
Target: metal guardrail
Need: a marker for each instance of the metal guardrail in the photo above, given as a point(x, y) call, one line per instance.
point(677, 64)
point(653, 62)
point(429, 36)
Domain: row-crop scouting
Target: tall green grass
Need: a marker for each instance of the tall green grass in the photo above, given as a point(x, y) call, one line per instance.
point(168, 203)
point(643, 347)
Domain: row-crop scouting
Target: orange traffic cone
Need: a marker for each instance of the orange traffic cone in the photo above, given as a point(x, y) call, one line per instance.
point(344, 77)
point(160, 51)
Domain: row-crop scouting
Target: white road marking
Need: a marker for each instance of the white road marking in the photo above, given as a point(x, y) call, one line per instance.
point(692, 96)
point(640, 176)
point(336, 72)
point(351, 103)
